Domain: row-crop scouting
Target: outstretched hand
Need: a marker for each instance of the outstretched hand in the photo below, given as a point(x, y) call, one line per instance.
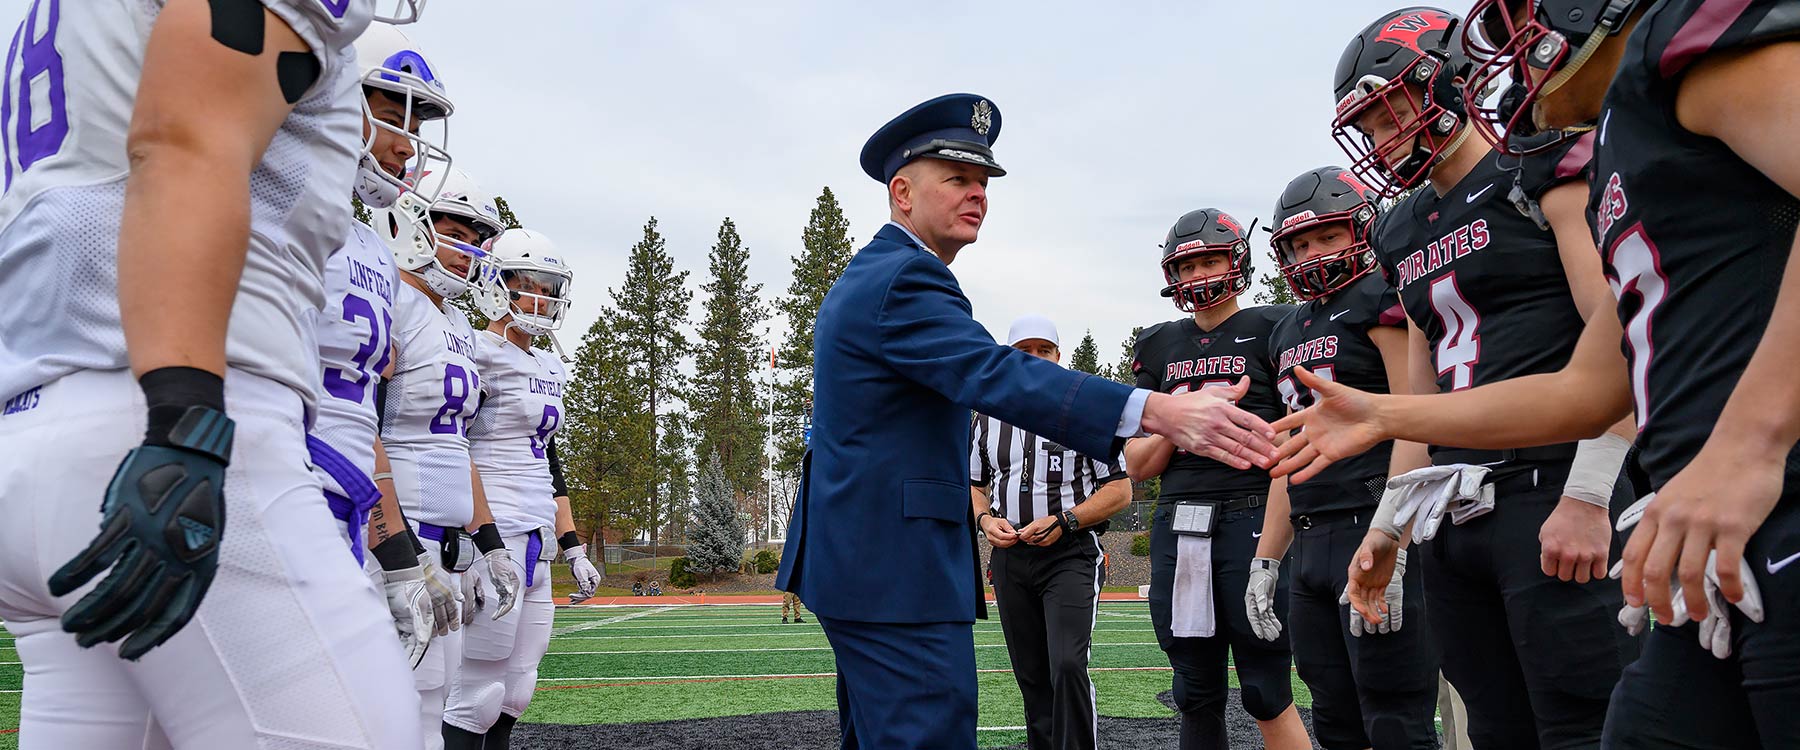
point(1342, 422)
point(1207, 422)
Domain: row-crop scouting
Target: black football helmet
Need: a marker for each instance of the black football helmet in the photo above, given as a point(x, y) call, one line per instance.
point(1402, 66)
point(1208, 230)
point(1324, 196)
point(1524, 49)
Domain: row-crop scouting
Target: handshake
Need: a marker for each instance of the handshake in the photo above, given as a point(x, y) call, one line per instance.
point(1207, 422)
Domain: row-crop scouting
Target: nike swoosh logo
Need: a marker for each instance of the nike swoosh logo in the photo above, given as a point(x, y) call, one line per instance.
point(1252, 338)
point(1477, 194)
point(1775, 567)
point(1340, 314)
point(1257, 535)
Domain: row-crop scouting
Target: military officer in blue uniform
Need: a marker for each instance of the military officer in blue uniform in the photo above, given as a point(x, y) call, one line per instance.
point(881, 544)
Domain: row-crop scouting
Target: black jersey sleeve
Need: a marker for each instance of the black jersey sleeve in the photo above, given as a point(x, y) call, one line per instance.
point(1372, 303)
point(557, 484)
point(1147, 361)
point(1683, 31)
point(1567, 162)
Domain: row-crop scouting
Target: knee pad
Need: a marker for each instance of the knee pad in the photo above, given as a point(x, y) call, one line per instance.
point(475, 698)
point(1265, 695)
point(519, 687)
point(1191, 695)
point(478, 710)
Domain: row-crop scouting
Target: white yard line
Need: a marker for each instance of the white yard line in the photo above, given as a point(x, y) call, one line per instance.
point(739, 650)
point(791, 676)
point(611, 620)
point(791, 633)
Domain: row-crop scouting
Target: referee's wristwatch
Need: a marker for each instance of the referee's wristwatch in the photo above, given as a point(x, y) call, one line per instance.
point(1070, 523)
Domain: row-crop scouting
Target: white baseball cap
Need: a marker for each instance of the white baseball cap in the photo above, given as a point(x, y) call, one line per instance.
point(1032, 327)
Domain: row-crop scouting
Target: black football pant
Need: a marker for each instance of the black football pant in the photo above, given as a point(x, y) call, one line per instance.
point(1047, 598)
point(1201, 664)
point(1378, 690)
point(1534, 658)
point(1679, 696)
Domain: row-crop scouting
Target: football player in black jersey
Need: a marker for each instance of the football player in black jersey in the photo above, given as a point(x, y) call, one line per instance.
point(1376, 689)
point(1209, 514)
point(1694, 200)
point(1495, 267)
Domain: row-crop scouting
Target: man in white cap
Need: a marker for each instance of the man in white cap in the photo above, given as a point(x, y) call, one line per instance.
point(1043, 507)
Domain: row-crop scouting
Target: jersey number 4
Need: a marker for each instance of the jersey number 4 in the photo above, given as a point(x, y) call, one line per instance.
point(1460, 348)
point(39, 103)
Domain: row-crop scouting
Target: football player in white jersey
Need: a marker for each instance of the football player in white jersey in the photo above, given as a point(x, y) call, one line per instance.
point(401, 92)
point(512, 440)
point(176, 172)
point(431, 390)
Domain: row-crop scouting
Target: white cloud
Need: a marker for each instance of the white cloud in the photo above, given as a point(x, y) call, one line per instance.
point(590, 117)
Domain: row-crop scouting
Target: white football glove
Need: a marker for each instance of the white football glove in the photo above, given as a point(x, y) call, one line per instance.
point(472, 597)
point(504, 576)
point(1715, 627)
point(1395, 594)
point(587, 577)
point(1259, 598)
point(409, 601)
point(445, 599)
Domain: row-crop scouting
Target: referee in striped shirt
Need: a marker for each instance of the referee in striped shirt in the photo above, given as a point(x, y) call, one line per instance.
point(1043, 508)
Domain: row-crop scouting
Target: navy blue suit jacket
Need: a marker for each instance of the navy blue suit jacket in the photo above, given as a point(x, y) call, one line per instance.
point(880, 532)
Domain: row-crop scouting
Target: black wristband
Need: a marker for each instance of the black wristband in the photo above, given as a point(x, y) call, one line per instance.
point(417, 546)
point(568, 541)
point(487, 538)
point(168, 394)
point(396, 553)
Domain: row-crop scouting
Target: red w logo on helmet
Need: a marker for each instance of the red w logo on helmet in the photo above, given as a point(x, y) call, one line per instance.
point(1355, 184)
point(1406, 30)
point(1226, 221)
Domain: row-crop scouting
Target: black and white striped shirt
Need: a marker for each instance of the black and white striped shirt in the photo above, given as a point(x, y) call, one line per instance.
point(1030, 477)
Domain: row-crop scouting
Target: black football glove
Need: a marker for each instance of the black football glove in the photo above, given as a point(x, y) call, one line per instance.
point(161, 523)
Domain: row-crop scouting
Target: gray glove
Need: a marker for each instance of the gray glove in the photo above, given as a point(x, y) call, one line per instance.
point(472, 598)
point(1715, 627)
point(1395, 595)
point(1259, 598)
point(587, 577)
point(445, 599)
point(504, 576)
point(409, 601)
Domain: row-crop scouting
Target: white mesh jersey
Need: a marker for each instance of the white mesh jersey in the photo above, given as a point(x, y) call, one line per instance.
point(354, 331)
point(521, 410)
point(430, 398)
point(71, 75)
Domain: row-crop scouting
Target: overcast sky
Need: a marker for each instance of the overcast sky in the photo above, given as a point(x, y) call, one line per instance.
point(590, 117)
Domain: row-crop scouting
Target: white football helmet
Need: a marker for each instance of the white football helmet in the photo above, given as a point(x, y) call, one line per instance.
point(389, 62)
point(402, 11)
point(527, 260)
point(463, 197)
point(406, 228)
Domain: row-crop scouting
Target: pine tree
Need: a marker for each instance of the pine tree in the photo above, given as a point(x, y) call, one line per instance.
point(677, 483)
point(1122, 371)
point(1087, 356)
point(1275, 290)
point(602, 443)
point(652, 306)
point(507, 217)
point(359, 210)
point(826, 248)
point(716, 541)
point(729, 421)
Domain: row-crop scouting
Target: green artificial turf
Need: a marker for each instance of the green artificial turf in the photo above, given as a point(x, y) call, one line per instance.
point(666, 662)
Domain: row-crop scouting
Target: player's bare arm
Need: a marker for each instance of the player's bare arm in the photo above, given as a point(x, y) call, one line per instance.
point(1749, 100)
point(1585, 398)
point(1575, 540)
point(205, 114)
